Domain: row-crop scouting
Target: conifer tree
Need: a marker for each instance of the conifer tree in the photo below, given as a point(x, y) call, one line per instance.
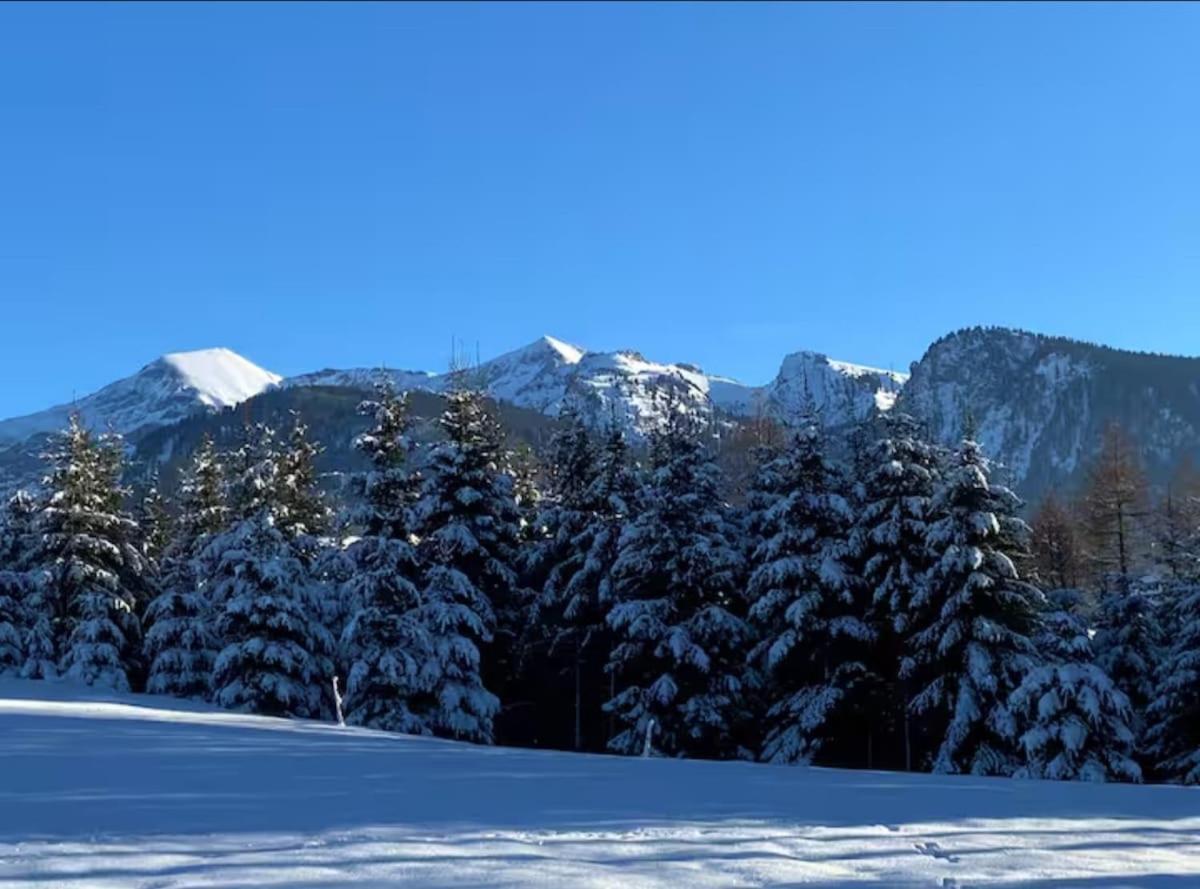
point(1057, 551)
point(16, 583)
point(301, 512)
point(814, 642)
point(1174, 714)
point(1128, 646)
point(560, 626)
point(472, 603)
point(154, 524)
point(975, 647)
point(678, 612)
point(1115, 503)
point(275, 655)
point(92, 566)
point(1077, 720)
point(889, 548)
point(1175, 526)
point(180, 640)
point(387, 647)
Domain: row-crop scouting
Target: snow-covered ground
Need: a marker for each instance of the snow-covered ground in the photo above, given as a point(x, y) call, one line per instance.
point(101, 791)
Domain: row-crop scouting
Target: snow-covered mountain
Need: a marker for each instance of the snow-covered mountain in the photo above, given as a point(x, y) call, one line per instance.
point(163, 392)
point(548, 374)
point(1040, 404)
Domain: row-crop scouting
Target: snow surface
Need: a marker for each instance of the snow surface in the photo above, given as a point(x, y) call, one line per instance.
point(220, 377)
point(104, 791)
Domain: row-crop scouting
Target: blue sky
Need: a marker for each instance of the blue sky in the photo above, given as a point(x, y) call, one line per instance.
point(334, 185)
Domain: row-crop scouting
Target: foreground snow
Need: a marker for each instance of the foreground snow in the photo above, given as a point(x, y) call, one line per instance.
point(104, 791)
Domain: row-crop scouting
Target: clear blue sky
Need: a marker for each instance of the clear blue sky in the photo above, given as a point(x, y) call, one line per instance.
point(335, 185)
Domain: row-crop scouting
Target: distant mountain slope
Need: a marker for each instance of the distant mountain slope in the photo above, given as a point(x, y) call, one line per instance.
point(1041, 403)
point(163, 392)
point(625, 386)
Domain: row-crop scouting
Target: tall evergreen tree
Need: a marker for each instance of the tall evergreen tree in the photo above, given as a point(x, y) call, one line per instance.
point(472, 603)
point(1077, 719)
point(815, 642)
point(301, 511)
point(1174, 714)
point(91, 562)
point(678, 612)
point(180, 636)
point(562, 626)
point(1128, 646)
point(16, 583)
point(387, 647)
point(975, 647)
point(154, 524)
point(889, 547)
point(275, 655)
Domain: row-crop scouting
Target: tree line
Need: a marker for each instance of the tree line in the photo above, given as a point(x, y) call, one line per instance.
point(875, 602)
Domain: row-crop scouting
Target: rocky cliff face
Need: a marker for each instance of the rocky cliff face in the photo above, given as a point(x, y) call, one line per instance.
point(1040, 403)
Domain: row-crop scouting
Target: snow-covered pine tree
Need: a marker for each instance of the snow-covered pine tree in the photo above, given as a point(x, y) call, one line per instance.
point(16, 583)
point(1173, 739)
point(301, 511)
point(889, 549)
point(275, 655)
point(154, 524)
point(525, 471)
point(180, 641)
point(387, 648)
point(92, 565)
point(974, 646)
point(472, 604)
point(814, 642)
point(1076, 721)
point(1128, 645)
point(554, 643)
point(275, 658)
point(678, 607)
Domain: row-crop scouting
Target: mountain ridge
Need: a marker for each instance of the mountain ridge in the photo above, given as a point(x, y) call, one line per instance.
point(1039, 401)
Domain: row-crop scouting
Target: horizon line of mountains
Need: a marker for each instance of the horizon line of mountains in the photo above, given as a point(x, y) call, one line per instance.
point(1039, 403)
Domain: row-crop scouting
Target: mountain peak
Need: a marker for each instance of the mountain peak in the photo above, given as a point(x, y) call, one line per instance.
point(220, 377)
point(567, 352)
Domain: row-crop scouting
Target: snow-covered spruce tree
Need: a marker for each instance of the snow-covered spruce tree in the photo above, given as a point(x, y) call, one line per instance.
point(1173, 738)
point(1128, 645)
point(678, 608)
point(555, 642)
point(180, 641)
point(16, 582)
point(387, 647)
point(472, 604)
point(301, 512)
point(92, 566)
point(974, 647)
point(275, 655)
point(154, 524)
point(890, 551)
point(1076, 719)
point(814, 642)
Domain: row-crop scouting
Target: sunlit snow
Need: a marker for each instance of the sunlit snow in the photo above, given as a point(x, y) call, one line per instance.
point(100, 791)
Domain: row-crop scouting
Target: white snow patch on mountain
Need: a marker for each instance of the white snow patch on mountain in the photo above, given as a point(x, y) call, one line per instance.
point(103, 791)
point(220, 377)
